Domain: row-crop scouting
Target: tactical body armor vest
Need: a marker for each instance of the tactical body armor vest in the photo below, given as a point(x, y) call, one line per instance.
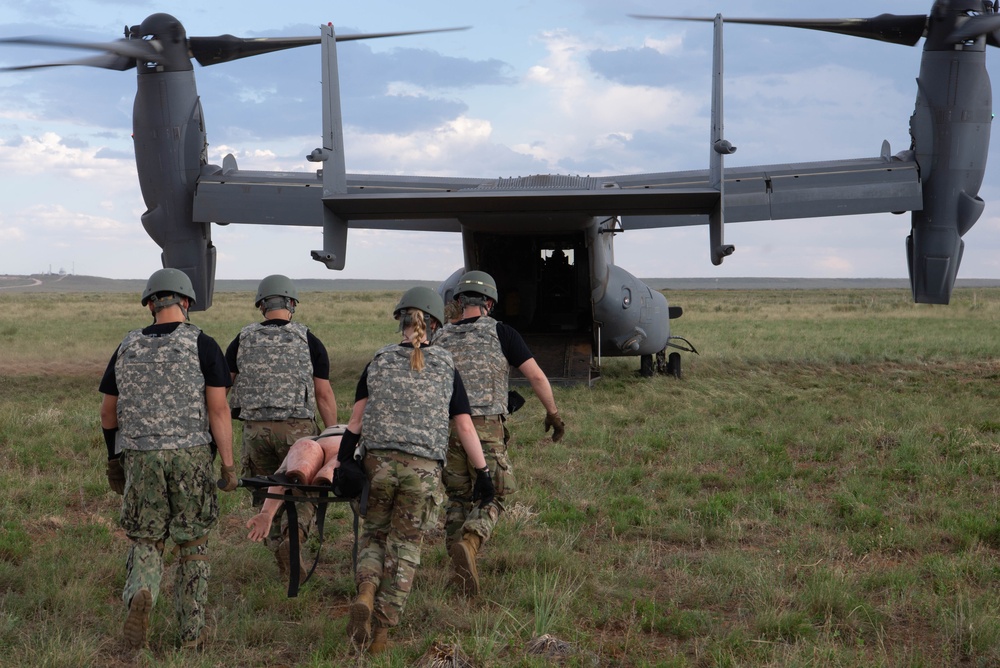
point(480, 359)
point(408, 410)
point(161, 401)
point(275, 379)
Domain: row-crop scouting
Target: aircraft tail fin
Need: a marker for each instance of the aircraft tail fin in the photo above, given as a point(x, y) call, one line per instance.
point(718, 248)
point(331, 154)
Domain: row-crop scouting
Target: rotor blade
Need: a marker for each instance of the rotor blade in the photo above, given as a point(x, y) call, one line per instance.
point(894, 28)
point(378, 35)
point(107, 61)
point(224, 48)
point(129, 48)
point(975, 26)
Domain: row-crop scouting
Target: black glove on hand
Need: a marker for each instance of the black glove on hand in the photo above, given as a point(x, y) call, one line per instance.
point(349, 477)
point(116, 475)
point(555, 423)
point(514, 401)
point(109, 440)
point(228, 481)
point(483, 491)
point(348, 444)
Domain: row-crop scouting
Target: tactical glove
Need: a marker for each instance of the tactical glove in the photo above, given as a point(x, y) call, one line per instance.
point(228, 481)
point(555, 423)
point(349, 477)
point(514, 401)
point(109, 440)
point(483, 490)
point(348, 444)
point(116, 475)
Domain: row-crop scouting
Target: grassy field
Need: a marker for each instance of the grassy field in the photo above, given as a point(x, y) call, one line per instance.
point(821, 489)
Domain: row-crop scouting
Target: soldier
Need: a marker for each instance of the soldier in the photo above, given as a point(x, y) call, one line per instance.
point(484, 350)
point(280, 369)
point(163, 414)
point(404, 400)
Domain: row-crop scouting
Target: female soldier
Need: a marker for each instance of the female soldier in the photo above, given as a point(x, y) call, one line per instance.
point(404, 400)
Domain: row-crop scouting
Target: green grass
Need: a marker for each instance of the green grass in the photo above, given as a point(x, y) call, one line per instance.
point(820, 490)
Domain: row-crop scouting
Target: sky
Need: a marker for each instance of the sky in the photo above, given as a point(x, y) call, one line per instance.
point(533, 87)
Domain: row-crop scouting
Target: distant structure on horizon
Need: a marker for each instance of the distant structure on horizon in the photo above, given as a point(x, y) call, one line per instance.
point(61, 272)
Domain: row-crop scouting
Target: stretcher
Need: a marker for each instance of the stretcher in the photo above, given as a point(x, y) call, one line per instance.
point(320, 494)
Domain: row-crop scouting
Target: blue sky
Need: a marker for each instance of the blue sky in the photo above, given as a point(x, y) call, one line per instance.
point(537, 86)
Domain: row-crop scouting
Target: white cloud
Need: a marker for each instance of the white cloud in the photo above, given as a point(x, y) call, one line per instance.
point(58, 218)
point(586, 113)
point(47, 153)
point(9, 231)
point(444, 150)
point(671, 44)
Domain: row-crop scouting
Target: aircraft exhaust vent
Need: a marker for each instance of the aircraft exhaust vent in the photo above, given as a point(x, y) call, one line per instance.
point(541, 182)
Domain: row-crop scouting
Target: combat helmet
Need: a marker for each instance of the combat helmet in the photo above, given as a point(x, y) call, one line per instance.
point(478, 282)
point(275, 285)
point(422, 298)
point(475, 287)
point(168, 280)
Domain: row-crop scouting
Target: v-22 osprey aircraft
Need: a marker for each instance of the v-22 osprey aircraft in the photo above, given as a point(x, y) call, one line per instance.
point(548, 239)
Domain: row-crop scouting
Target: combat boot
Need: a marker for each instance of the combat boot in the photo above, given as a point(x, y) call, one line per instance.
point(359, 626)
point(380, 640)
point(463, 559)
point(283, 555)
point(137, 621)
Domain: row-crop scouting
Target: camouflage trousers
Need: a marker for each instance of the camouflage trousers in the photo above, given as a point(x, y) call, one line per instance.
point(265, 445)
point(170, 494)
point(462, 516)
point(404, 503)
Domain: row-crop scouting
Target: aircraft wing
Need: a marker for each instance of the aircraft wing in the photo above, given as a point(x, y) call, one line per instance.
point(562, 200)
point(435, 204)
point(228, 195)
point(788, 191)
point(643, 201)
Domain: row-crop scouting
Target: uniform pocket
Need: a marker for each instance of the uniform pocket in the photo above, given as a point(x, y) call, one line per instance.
point(503, 474)
point(432, 508)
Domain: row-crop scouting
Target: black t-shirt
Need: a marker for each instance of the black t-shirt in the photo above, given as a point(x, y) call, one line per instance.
point(511, 342)
point(317, 351)
point(459, 399)
point(210, 357)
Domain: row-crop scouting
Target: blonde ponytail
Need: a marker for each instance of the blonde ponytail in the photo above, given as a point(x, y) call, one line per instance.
point(417, 338)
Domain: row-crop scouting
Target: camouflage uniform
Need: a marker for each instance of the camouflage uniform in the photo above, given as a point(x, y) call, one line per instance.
point(485, 370)
point(170, 488)
point(273, 394)
point(405, 439)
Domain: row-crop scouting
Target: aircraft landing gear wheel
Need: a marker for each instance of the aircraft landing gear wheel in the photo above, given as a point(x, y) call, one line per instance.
point(674, 365)
point(646, 366)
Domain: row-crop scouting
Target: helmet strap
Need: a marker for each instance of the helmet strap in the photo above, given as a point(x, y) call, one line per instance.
point(164, 300)
point(470, 299)
point(277, 303)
